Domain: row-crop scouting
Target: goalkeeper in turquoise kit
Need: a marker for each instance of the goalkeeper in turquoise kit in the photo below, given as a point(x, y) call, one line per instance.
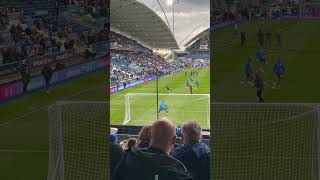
point(163, 107)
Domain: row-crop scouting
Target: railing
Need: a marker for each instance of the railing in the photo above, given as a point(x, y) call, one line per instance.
point(14, 89)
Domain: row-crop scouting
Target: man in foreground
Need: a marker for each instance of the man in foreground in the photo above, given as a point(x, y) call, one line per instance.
point(153, 162)
point(194, 154)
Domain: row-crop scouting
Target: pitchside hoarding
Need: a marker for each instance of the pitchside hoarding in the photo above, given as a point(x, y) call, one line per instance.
point(14, 89)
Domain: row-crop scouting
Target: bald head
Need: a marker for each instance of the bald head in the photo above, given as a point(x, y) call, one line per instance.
point(163, 135)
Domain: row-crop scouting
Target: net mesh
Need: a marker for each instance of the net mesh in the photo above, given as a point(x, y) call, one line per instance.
point(264, 141)
point(78, 141)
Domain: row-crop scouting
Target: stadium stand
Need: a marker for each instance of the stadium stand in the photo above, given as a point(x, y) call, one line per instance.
point(198, 46)
point(42, 32)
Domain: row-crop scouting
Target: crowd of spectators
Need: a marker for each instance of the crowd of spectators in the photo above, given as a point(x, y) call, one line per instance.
point(44, 35)
point(253, 12)
point(121, 42)
point(95, 8)
point(158, 153)
point(137, 65)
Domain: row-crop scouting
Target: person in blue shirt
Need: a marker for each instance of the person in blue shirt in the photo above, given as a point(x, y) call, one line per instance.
point(262, 58)
point(278, 70)
point(197, 84)
point(191, 78)
point(248, 72)
point(163, 107)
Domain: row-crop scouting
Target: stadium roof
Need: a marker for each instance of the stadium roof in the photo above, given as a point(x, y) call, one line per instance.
point(135, 20)
point(192, 40)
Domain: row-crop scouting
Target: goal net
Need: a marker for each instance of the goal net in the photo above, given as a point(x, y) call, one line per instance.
point(78, 141)
point(265, 141)
point(141, 108)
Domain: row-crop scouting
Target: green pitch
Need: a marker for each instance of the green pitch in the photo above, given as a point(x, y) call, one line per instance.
point(143, 107)
point(249, 143)
point(24, 126)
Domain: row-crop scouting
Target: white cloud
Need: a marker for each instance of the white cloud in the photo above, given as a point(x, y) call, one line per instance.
point(191, 16)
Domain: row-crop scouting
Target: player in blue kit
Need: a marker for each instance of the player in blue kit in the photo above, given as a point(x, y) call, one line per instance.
point(262, 58)
point(248, 72)
point(163, 107)
point(278, 70)
point(197, 84)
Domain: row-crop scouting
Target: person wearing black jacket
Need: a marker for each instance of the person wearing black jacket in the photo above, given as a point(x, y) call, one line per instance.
point(47, 74)
point(259, 86)
point(25, 76)
point(153, 162)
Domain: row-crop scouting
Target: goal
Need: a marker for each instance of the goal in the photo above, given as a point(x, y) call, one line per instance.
point(265, 141)
point(78, 141)
point(141, 108)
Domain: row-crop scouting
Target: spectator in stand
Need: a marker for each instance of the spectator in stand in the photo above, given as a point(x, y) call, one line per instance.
point(47, 74)
point(194, 154)
point(144, 137)
point(154, 161)
point(116, 152)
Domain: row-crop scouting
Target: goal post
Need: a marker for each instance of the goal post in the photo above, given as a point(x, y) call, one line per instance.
point(265, 140)
point(141, 108)
point(78, 141)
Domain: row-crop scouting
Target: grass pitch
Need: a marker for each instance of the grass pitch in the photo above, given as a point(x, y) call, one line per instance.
point(250, 143)
point(24, 126)
point(181, 107)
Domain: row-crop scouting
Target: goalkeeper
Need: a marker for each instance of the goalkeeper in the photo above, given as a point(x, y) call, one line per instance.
point(163, 107)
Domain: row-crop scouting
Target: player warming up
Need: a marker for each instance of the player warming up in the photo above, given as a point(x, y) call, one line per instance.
point(168, 89)
point(248, 73)
point(190, 88)
point(163, 107)
point(262, 58)
point(260, 38)
point(259, 86)
point(197, 84)
point(278, 70)
point(279, 38)
point(243, 38)
point(268, 38)
point(236, 32)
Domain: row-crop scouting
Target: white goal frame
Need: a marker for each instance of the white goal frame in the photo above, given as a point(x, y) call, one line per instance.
point(61, 147)
point(128, 110)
